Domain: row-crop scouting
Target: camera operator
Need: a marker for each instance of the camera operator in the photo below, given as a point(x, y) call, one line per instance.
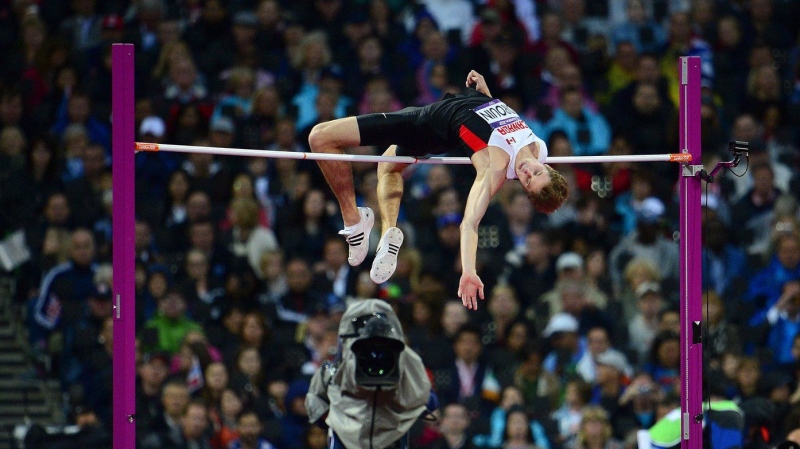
point(377, 387)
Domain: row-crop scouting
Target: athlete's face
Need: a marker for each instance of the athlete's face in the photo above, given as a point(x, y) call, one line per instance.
point(532, 174)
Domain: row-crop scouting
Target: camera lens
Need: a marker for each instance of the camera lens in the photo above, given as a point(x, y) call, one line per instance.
point(376, 363)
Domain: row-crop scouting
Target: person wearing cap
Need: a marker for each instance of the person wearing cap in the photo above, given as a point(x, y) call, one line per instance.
point(567, 346)
point(499, 143)
point(647, 241)
point(643, 327)
point(570, 268)
point(612, 368)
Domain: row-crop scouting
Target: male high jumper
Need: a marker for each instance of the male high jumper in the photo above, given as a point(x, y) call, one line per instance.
point(500, 146)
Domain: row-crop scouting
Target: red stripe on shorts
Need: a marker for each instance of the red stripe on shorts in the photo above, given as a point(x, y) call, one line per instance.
point(473, 142)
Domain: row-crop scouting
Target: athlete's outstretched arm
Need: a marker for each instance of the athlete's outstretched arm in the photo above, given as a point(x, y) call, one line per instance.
point(487, 182)
point(476, 78)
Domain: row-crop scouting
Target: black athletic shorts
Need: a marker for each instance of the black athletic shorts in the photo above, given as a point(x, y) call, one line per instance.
point(407, 128)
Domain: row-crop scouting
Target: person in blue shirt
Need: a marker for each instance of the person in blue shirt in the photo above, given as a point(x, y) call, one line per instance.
point(588, 132)
point(766, 286)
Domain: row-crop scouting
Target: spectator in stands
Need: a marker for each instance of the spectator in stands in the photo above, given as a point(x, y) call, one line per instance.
point(165, 428)
point(507, 359)
point(503, 309)
point(609, 382)
point(664, 361)
point(766, 286)
point(577, 394)
point(764, 26)
point(567, 346)
point(638, 405)
point(248, 378)
point(216, 380)
point(598, 342)
point(533, 271)
point(568, 77)
point(98, 380)
point(621, 72)
point(467, 374)
point(202, 237)
point(334, 274)
point(595, 431)
point(647, 72)
point(309, 227)
point(730, 56)
point(85, 191)
point(167, 329)
point(783, 318)
point(517, 433)
point(453, 428)
point(642, 31)
point(190, 363)
point(295, 422)
point(225, 418)
point(63, 292)
point(273, 276)
point(249, 427)
point(648, 242)
point(725, 264)
point(76, 109)
point(723, 336)
point(443, 257)
point(588, 132)
point(293, 308)
point(651, 116)
point(571, 274)
point(152, 372)
point(747, 377)
point(643, 327)
point(248, 238)
point(669, 319)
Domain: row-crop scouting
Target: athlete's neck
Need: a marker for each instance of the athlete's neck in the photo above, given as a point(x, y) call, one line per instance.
point(529, 151)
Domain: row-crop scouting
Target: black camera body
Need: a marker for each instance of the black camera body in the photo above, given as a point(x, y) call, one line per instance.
point(377, 353)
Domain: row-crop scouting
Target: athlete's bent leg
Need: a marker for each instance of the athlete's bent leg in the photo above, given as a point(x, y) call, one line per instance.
point(390, 192)
point(332, 137)
point(390, 189)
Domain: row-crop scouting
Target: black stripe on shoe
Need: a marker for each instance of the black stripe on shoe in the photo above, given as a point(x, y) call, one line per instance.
point(356, 239)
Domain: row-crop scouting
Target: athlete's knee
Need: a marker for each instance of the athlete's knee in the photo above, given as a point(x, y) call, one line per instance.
point(318, 138)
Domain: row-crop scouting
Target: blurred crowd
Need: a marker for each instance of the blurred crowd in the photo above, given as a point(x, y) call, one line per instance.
point(241, 277)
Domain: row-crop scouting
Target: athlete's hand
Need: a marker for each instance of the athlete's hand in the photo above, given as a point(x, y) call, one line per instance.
point(470, 287)
point(476, 79)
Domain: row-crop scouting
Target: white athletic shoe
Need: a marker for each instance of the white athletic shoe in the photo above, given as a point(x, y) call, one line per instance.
point(358, 236)
point(386, 259)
